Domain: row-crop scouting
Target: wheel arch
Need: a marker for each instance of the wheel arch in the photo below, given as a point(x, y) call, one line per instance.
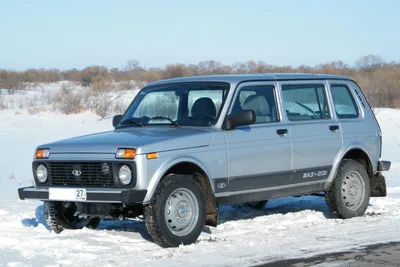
point(352, 152)
point(361, 156)
point(190, 166)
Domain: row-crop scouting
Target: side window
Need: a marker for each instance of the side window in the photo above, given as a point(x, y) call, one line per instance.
point(344, 102)
point(261, 99)
point(305, 102)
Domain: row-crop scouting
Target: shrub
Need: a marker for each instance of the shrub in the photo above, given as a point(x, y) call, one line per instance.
point(11, 81)
point(67, 101)
point(35, 110)
point(102, 85)
point(2, 103)
point(380, 80)
point(119, 107)
point(104, 103)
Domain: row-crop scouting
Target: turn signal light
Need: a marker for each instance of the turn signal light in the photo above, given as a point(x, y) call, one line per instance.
point(42, 153)
point(153, 155)
point(125, 153)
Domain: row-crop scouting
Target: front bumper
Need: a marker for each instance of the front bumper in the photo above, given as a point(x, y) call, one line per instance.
point(127, 197)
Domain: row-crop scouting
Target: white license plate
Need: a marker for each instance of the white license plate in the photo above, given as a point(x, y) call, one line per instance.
point(67, 194)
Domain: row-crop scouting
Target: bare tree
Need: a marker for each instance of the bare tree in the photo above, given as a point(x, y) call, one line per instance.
point(379, 80)
point(11, 81)
point(133, 65)
point(175, 71)
point(369, 62)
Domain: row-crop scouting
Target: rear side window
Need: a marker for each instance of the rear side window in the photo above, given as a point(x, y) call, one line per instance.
point(305, 102)
point(344, 102)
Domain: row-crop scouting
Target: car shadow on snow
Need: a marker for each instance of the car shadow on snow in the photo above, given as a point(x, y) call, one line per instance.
point(137, 225)
point(226, 213)
point(280, 206)
point(275, 206)
point(37, 220)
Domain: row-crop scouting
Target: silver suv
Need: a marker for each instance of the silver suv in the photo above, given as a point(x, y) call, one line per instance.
point(186, 146)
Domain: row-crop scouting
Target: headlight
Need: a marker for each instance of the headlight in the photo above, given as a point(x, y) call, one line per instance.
point(125, 175)
point(41, 173)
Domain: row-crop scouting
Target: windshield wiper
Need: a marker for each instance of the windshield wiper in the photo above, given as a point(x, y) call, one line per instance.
point(174, 123)
point(132, 121)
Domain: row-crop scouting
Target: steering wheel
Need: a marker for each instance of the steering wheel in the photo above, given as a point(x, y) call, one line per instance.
point(307, 108)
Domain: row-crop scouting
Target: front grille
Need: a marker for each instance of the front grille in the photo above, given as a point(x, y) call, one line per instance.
point(87, 174)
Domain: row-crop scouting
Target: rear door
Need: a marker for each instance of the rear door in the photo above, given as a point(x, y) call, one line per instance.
point(259, 155)
point(316, 135)
point(359, 127)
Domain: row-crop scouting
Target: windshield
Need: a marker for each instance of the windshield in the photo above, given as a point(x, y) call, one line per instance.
point(180, 104)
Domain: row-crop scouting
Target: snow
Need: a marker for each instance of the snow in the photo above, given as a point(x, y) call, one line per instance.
point(286, 228)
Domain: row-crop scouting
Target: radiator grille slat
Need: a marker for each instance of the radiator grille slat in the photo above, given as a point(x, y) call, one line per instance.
point(93, 174)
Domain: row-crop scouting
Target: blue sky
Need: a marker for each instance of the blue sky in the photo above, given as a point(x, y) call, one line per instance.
point(77, 33)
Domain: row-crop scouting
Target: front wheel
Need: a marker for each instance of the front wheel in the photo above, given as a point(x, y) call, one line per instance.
point(63, 215)
point(176, 213)
point(350, 192)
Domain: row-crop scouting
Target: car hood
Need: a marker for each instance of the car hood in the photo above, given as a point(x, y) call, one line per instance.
point(144, 140)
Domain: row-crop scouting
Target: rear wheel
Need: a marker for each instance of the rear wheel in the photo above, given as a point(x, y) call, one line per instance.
point(350, 193)
point(64, 215)
point(176, 213)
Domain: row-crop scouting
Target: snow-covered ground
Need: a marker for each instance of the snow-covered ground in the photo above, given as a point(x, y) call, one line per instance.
point(287, 227)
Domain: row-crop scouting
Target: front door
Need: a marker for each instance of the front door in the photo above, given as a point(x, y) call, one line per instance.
point(259, 155)
point(316, 135)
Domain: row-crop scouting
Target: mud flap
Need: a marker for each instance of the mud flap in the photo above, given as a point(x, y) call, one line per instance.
point(211, 210)
point(378, 185)
point(211, 204)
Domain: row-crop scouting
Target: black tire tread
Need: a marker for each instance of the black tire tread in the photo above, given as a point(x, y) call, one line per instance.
point(331, 196)
point(56, 221)
point(93, 223)
point(152, 210)
point(51, 214)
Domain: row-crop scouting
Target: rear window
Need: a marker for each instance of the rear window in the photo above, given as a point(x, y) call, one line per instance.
point(344, 102)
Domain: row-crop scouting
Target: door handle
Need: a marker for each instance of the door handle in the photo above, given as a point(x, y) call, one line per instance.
point(282, 131)
point(334, 128)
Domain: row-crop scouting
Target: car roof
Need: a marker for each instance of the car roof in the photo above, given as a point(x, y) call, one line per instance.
point(237, 78)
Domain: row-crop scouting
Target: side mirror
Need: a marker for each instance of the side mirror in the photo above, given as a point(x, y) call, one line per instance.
point(241, 118)
point(116, 120)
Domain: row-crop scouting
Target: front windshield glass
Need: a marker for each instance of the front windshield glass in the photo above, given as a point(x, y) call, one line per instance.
point(180, 104)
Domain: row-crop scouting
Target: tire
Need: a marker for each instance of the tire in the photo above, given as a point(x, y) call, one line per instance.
point(259, 205)
point(52, 215)
point(176, 213)
point(350, 192)
point(60, 216)
point(93, 223)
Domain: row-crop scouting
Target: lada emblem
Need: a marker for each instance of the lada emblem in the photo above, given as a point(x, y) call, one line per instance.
point(221, 185)
point(76, 173)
